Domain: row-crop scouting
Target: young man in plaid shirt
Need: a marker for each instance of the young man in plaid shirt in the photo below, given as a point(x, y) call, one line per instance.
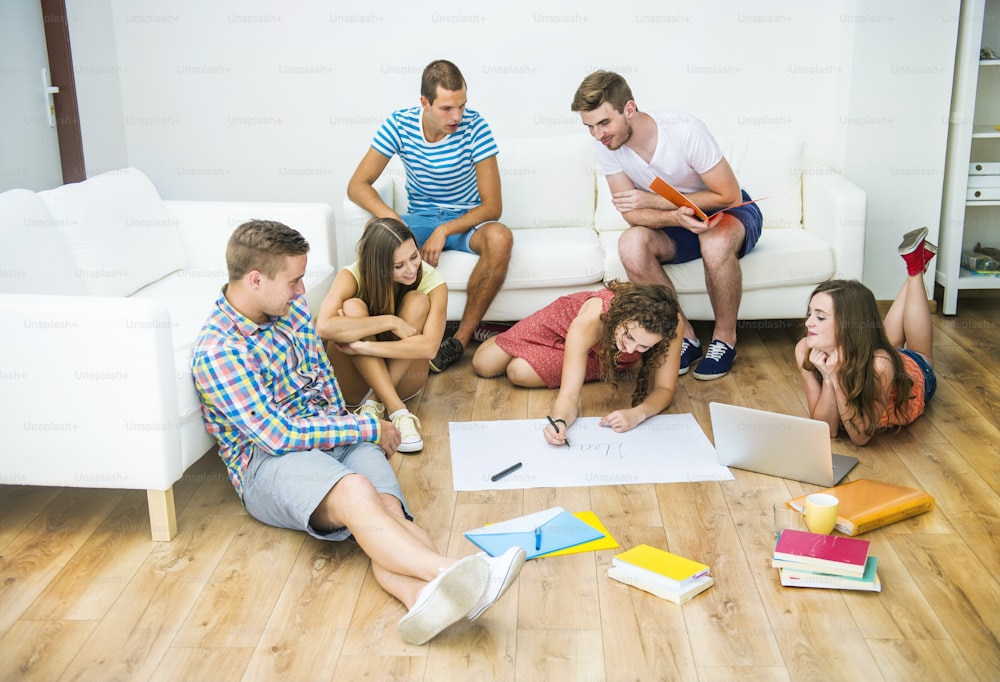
point(298, 459)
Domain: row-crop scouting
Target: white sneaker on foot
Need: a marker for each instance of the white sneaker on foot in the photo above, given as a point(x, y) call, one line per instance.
point(445, 600)
point(407, 424)
point(504, 570)
point(373, 408)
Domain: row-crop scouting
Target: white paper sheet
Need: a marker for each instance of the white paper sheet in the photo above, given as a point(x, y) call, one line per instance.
point(668, 448)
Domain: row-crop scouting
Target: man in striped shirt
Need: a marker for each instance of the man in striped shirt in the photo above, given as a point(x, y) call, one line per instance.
point(453, 185)
point(298, 459)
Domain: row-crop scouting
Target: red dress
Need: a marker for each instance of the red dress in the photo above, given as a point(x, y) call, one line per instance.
point(540, 338)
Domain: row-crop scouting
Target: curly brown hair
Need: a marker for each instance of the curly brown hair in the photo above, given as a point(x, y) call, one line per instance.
point(653, 307)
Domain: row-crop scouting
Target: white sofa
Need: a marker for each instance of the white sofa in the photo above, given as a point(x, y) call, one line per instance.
point(566, 229)
point(103, 289)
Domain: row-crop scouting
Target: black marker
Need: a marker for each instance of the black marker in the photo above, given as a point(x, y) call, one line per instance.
point(509, 470)
point(553, 422)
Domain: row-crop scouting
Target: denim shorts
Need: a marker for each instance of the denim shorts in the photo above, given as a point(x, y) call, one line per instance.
point(423, 223)
point(930, 379)
point(285, 491)
point(689, 247)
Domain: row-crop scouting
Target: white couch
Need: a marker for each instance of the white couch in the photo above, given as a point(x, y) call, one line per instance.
point(103, 289)
point(566, 229)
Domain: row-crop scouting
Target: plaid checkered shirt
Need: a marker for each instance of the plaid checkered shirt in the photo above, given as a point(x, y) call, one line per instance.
point(270, 386)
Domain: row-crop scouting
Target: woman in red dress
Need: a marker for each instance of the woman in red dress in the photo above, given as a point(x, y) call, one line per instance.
point(590, 336)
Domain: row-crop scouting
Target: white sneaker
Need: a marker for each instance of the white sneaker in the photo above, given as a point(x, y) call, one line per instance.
point(504, 570)
point(407, 423)
point(373, 408)
point(445, 600)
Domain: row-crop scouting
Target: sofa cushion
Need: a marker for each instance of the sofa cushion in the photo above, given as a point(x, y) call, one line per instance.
point(119, 231)
point(769, 167)
point(547, 181)
point(541, 258)
point(35, 258)
point(783, 257)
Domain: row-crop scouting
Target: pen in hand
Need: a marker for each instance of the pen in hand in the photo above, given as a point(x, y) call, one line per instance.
point(556, 427)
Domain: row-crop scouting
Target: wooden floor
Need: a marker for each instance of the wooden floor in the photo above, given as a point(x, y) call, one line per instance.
point(85, 594)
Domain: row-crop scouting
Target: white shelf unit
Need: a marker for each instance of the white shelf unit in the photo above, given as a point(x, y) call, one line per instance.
point(972, 137)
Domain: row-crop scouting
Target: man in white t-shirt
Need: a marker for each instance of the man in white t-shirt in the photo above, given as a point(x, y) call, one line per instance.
point(453, 188)
point(636, 147)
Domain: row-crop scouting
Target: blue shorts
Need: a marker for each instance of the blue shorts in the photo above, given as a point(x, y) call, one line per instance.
point(285, 491)
point(930, 379)
point(689, 247)
point(422, 223)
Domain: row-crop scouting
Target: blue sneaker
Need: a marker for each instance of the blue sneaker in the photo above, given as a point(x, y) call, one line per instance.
point(689, 355)
point(718, 361)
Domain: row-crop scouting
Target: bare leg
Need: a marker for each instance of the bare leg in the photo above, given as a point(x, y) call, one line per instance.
point(389, 379)
point(403, 557)
point(490, 359)
point(493, 243)
point(522, 374)
point(908, 323)
point(643, 251)
point(723, 275)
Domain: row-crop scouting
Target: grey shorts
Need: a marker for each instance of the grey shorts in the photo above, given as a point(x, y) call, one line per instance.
point(285, 491)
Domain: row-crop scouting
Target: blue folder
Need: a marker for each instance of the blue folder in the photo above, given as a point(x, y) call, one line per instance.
point(557, 529)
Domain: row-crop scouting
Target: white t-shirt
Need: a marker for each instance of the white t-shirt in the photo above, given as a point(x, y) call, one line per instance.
point(684, 150)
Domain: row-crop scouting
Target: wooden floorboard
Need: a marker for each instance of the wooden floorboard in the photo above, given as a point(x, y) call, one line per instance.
point(86, 595)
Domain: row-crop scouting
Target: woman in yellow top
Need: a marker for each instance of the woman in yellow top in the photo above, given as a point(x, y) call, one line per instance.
point(384, 319)
point(859, 371)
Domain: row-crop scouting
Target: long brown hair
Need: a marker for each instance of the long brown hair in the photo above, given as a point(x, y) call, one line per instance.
point(376, 251)
point(859, 333)
point(654, 308)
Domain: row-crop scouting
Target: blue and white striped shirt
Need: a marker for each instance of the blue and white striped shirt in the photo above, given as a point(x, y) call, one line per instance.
point(438, 174)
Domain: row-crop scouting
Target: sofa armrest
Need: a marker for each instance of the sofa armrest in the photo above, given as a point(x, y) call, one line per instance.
point(349, 229)
point(89, 393)
point(835, 209)
point(205, 227)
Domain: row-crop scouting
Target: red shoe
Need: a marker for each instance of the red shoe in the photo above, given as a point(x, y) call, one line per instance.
point(930, 250)
point(912, 251)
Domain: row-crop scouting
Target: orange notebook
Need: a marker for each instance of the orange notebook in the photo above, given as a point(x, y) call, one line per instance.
point(866, 505)
point(670, 193)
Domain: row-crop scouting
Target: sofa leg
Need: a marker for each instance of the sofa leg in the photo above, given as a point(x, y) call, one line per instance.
point(162, 516)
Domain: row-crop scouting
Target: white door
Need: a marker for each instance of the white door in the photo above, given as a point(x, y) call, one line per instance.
point(29, 147)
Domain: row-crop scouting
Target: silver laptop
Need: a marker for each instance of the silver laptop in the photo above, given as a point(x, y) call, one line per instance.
point(777, 445)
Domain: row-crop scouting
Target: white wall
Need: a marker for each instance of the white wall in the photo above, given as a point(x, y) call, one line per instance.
point(97, 67)
point(248, 100)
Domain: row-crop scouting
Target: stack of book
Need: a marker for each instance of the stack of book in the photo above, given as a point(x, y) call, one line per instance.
point(805, 559)
point(661, 573)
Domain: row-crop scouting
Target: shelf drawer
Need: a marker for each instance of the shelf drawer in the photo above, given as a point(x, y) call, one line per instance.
point(984, 168)
point(983, 194)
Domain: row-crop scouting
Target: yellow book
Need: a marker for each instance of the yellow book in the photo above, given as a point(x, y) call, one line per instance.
point(866, 505)
point(675, 571)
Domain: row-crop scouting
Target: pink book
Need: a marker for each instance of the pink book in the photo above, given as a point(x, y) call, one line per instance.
point(823, 553)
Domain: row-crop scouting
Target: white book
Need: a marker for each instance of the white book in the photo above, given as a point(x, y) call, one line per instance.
point(641, 582)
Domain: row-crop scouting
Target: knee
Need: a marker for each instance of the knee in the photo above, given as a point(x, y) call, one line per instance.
point(355, 307)
point(484, 364)
point(498, 241)
point(634, 244)
point(415, 305)
point(346, 502)
point(520, 373)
